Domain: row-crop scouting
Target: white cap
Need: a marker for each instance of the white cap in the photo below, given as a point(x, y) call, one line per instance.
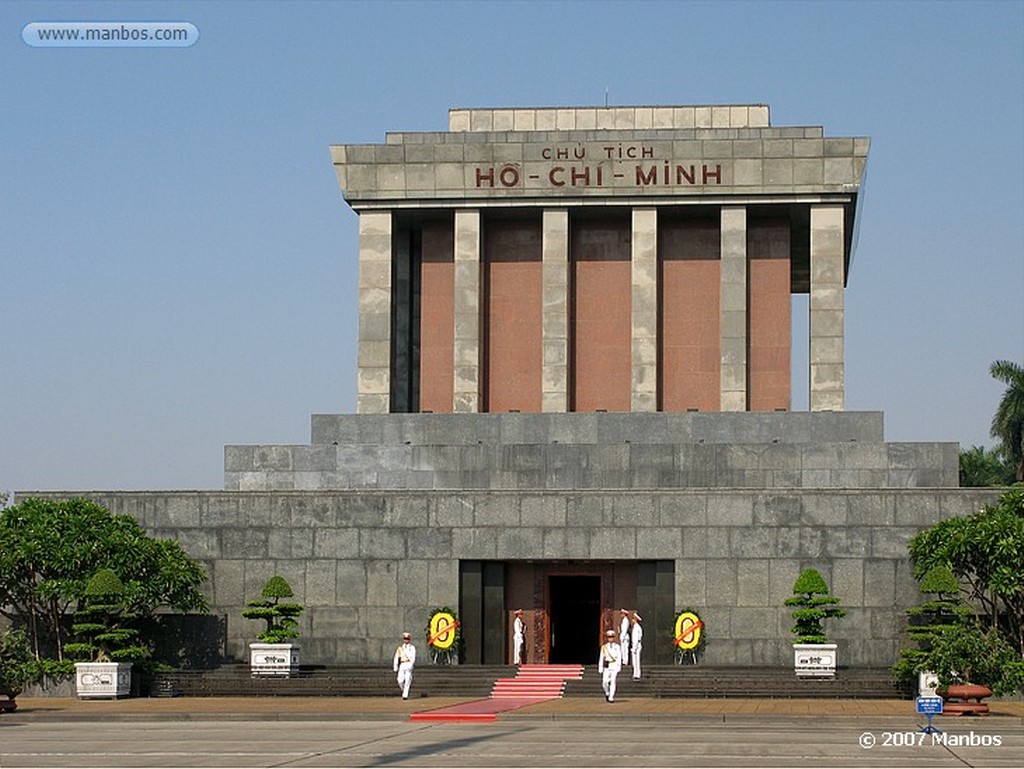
point(637, 617)
point(610, 632)
point(406, 635)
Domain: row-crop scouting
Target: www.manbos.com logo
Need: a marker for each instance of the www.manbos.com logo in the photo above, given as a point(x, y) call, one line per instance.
point(110, 34)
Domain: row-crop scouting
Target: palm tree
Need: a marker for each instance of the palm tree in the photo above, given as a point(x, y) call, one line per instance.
point(983, 467)
point(1008, 422)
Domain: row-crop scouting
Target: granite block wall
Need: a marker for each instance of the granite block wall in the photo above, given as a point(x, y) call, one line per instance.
point(593, 451)
point(370, 564)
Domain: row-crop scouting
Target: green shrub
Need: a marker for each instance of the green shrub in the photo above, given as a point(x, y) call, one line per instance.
point(15, 656)
point(48, 669)
point(967, 654)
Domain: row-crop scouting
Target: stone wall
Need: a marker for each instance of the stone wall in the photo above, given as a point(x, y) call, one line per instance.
point(371, 564)
point(593, 451)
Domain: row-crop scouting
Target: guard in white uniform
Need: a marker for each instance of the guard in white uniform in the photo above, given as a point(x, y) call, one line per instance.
point(609, 663)
point(405, 660)
point(636, 644)
point(624, 636)
point(518, 636)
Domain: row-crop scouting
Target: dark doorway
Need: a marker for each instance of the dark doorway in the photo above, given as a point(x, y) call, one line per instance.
point(575, 614)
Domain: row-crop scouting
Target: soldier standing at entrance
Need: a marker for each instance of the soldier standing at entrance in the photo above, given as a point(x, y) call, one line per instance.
point(636, 642)
point(518, 636)
point(624, 636)
point(405, 660)
point(609, 663)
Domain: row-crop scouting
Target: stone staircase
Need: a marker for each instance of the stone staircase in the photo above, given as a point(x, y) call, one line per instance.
point(333, 681)
point(697, 681)
point(537, 681)
point(700, 681)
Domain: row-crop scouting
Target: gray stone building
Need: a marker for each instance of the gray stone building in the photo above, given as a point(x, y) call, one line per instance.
point(574, 396)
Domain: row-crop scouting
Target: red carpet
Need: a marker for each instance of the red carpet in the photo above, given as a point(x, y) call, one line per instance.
point(532, 684)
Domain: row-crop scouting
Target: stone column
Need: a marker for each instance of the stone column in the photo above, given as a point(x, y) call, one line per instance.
point(827, 309)
point(644, 268)
point(555, 323)
point(734, 308)
point(374, 366)
point(466, 394)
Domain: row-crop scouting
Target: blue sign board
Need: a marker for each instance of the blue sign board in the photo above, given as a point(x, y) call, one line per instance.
point(929, 705)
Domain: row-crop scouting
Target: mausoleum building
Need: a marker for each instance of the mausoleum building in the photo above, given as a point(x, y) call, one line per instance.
point(574, 395)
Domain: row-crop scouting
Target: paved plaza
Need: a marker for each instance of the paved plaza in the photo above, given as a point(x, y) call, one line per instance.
point(376, 732)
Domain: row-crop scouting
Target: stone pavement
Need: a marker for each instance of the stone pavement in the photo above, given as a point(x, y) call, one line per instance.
point(394, 708)
point(302, 732)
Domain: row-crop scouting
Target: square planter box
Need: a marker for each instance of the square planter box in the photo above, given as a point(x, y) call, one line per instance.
point(814, 660)
point(103, 680)
point(927, 683)
point(273, 659)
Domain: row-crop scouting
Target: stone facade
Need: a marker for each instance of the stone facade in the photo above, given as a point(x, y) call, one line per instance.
point(790, 450)
point(370, 564)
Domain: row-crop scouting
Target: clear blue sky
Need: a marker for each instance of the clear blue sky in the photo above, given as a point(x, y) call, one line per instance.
point(178, 270)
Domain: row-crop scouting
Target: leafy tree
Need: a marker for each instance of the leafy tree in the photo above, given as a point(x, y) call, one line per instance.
point(50, 549)
point(985, 551)
point(981, 467)
point(815, 605)
point(1008, 422)
point(280, 617)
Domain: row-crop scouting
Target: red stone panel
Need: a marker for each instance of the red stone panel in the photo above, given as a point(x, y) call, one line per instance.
point(689, 314)
point(601, 324)
point(437, 317)
point(513, 275)
point(770, 314)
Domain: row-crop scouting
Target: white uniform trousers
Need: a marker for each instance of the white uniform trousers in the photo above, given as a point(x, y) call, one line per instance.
point(637, 649)
point(608, 682)
point(609, 663)
point(405, 680)
point(624, 640)
point(636, 634)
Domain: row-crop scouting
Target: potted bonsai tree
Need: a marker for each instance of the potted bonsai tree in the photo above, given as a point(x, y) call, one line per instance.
point(926, 622)
point(275, 654)
point(106, 641)
point(14, 672)
point(813, 654)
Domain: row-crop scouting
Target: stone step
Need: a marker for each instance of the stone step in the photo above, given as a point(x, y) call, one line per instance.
point(700, 681)
point(537, 681)
point(480, 681)
point(596, 428)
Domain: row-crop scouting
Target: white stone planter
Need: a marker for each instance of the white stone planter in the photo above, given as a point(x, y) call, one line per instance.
point(927, 683)
point(814, 660)
point(273, 659)
point(103, 680)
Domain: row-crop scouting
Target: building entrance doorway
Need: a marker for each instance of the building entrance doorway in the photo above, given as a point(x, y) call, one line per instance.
point(574, 619)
